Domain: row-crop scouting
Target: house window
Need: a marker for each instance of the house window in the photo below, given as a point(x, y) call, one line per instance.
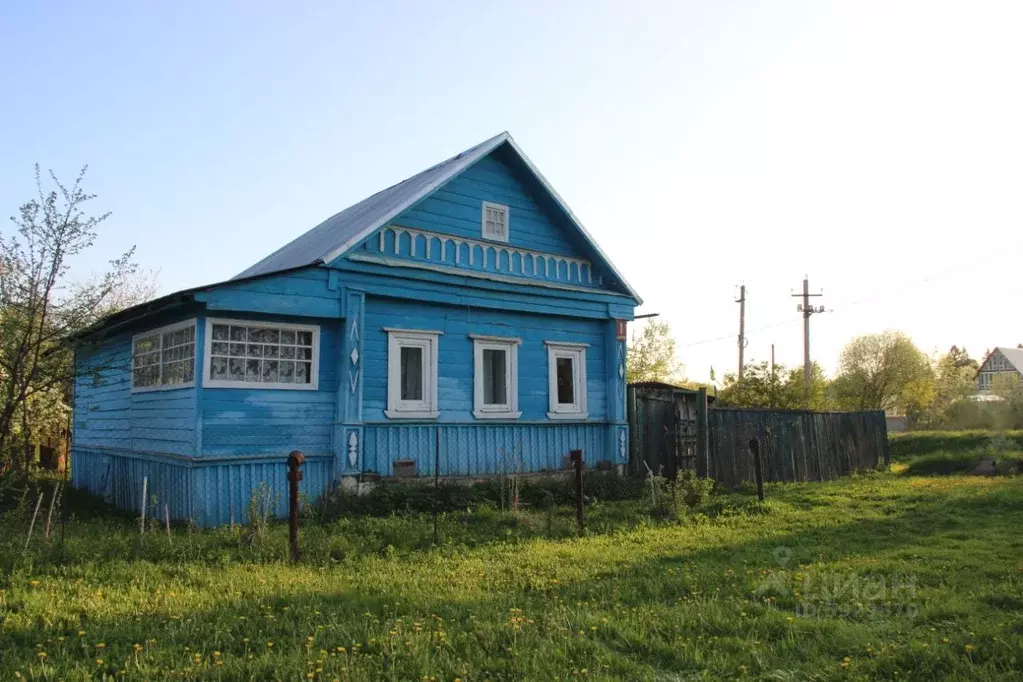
point(566, 375)
point(496, 377)
point(164, 358)
point(495, 222)
point(411, 374)
point(261, 355)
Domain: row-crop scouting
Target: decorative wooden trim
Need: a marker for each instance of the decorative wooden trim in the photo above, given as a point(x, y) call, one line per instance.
point(537, 259)
point(448, 269)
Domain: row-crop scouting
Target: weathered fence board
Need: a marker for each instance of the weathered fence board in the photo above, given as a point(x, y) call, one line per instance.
point(795, 445)
point(672, 429)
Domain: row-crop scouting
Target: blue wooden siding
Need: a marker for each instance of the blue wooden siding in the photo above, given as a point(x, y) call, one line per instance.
point(108, 414)
point(483, 449)
point(254, 421)
point(455, 355)
point(455, 210)
point(209, 493)
point(307, 292)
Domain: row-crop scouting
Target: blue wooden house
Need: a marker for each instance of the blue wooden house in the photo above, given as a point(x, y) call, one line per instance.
point(462, 316)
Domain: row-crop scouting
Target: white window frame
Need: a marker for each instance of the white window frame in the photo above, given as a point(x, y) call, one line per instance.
point(507, 221)
point(577, 353)
point(428, 341)
point(510, 346)
point(160, 331)
point(314, 370)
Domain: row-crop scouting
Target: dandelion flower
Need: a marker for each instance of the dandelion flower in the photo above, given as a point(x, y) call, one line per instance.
point(968, 647)
point(269, 645)
point(99, 661)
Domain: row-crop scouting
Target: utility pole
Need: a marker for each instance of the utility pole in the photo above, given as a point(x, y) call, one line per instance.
point(742, 326)
point(807, 311)
point(772, 358)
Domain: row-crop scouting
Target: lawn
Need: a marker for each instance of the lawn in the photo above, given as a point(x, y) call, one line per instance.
point(881, 576)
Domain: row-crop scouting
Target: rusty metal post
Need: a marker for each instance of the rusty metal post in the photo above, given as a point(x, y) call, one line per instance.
point(295, 460)
point(758, 467)
point(576, 457)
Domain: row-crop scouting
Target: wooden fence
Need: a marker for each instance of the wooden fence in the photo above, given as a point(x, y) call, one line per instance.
point(671, 429)
point(795, 445)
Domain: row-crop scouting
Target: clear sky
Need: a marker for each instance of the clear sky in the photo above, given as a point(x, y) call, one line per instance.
point(875, 146)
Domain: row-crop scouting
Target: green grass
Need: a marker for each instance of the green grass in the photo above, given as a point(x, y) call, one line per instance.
point(914, 443)
point(883, 576)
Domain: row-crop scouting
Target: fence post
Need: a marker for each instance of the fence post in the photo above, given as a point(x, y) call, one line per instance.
point(580, 513)
point(702, 435)
point(758, 467)
point(295, 460)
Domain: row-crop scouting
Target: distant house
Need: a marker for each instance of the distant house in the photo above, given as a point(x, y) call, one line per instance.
point(1000, 368)
point(461, 321)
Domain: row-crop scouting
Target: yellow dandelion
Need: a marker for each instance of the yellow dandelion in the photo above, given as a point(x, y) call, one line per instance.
point(41, 655)
point(269, 645)
point(968, 647)
point(309, 676)
point(219, 662)
point(101, 645)
point(33, 583)
point(99, 661)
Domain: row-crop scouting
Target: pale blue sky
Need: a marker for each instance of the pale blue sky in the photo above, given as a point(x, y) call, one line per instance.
point(875, 146)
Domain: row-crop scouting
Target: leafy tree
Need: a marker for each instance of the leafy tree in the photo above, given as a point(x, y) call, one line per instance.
point(782, 388)
point(884, 371)
point(41, 305)
point(953, 384)
point(651, 356)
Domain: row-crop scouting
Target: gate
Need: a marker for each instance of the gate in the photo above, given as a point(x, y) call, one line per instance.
point(668, 429)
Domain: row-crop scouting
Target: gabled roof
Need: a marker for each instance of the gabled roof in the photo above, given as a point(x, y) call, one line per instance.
point(339, 233)
point(1013, 355)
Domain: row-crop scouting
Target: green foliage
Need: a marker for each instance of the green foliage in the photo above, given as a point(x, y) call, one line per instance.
point(651, 356)
point(386, 498)
point(884, 372)
point(782, 389)
point(41, 305)
point(719, 597)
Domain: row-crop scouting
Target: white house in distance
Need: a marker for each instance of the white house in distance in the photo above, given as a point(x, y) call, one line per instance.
point(999, 367)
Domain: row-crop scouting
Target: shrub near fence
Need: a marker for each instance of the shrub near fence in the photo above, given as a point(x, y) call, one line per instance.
point(906, 445)
point(796, 445)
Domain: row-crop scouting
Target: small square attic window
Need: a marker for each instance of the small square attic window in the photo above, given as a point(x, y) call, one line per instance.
point(495, 222)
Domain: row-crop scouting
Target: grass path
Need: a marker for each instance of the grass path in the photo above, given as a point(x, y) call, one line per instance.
point(879, 577)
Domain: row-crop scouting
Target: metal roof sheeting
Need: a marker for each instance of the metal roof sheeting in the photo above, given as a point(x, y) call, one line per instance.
point(338, 231)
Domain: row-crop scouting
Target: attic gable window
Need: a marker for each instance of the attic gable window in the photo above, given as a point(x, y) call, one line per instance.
point(164, 358)
point(495, 222)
